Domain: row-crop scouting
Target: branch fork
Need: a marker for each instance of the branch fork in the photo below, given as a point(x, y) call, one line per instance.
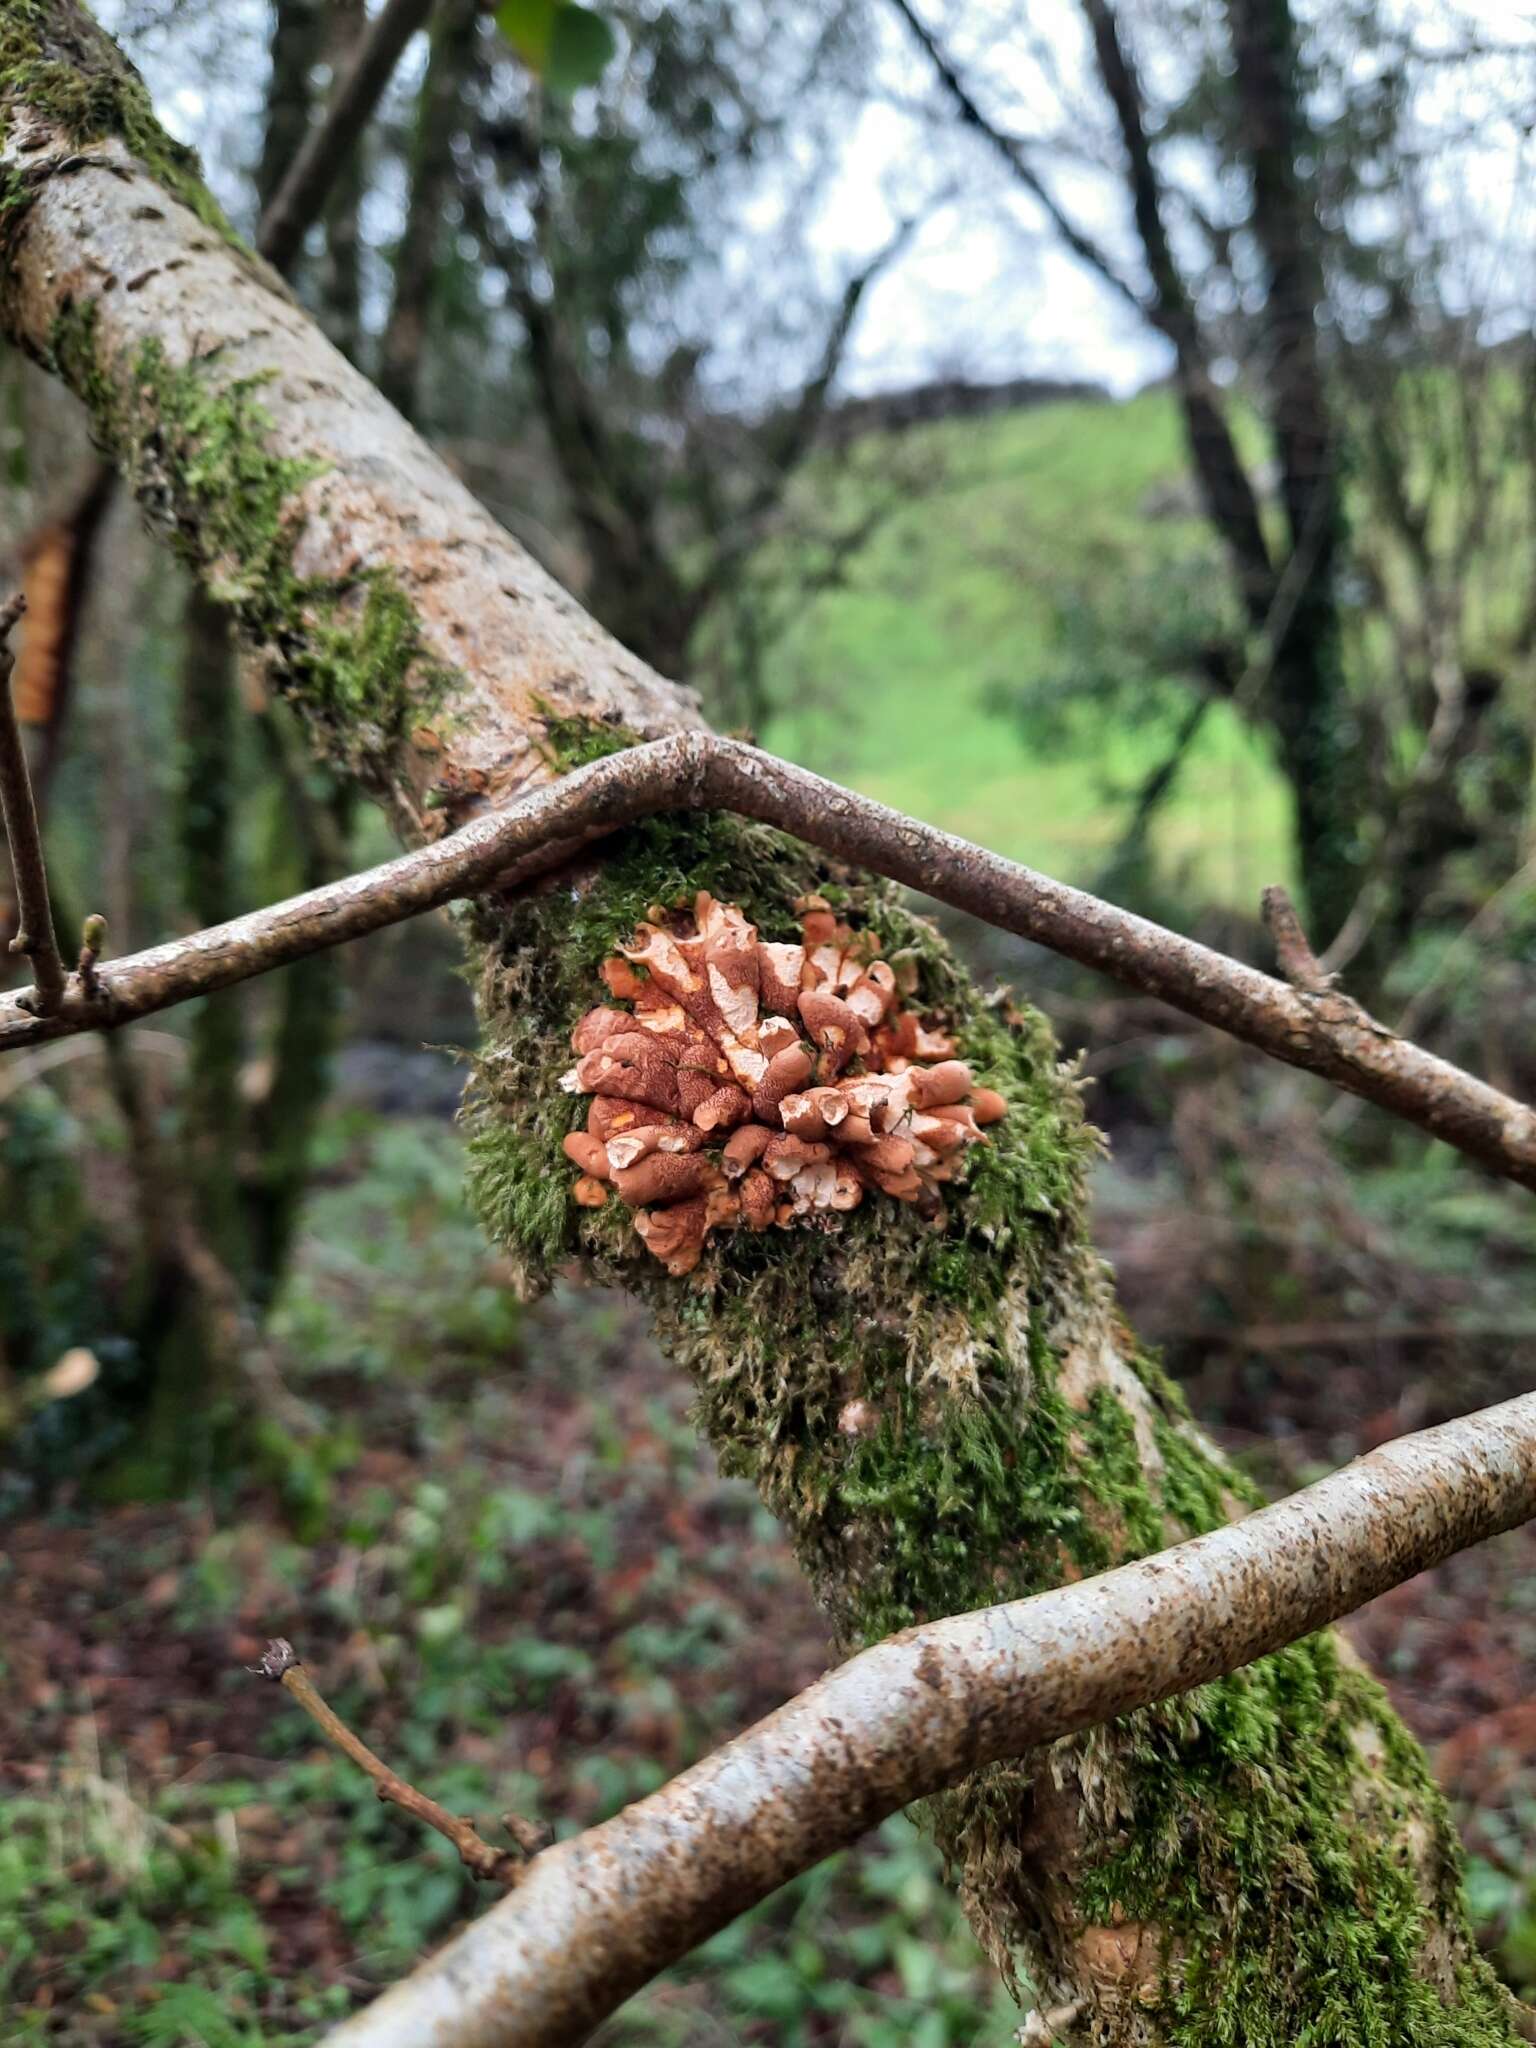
point(1304, 1021)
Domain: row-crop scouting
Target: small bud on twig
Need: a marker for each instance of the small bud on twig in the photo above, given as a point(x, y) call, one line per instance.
point(93, 935)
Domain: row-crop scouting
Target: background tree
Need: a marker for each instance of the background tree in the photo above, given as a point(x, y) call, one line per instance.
point(1253, 179)
point(941, 1407)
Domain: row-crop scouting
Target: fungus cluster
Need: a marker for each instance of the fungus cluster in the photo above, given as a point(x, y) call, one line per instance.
point(756, 1085)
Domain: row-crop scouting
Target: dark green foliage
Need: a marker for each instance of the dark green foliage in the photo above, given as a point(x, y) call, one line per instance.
point(55, 1294)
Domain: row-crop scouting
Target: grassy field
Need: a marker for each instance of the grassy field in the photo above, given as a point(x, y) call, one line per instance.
point(884, 682)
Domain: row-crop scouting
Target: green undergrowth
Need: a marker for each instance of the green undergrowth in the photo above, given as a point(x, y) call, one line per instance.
point(196, 447)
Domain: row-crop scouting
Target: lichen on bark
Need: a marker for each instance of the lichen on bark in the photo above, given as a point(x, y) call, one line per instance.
point(948, 1414)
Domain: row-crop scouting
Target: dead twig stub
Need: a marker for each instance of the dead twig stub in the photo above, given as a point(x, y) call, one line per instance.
point(93, 936)
point(34, 914)
point(1293, 950)
point(282, 1664)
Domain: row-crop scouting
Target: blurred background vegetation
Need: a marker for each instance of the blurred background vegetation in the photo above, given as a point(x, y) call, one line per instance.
point(1107, 433)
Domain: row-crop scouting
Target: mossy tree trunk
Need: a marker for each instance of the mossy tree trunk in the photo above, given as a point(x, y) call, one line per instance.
point(943, 1414)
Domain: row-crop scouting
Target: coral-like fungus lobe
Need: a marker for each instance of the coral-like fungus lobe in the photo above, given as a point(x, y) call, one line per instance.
point(755, 1084)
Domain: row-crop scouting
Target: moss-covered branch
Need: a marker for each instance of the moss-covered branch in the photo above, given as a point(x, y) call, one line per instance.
point(943, 1413)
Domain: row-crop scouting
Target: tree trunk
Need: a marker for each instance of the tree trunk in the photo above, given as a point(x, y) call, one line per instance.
point(212, 1112)
point(438, 110)
point(1319, 746)
point(296, 46)
point(1319, 751)
point(943, 1414)
point(341, 284)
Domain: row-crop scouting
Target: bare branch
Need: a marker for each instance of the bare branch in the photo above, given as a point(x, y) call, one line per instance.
point(597, 1916)
point(1014, 153)
point(298, 200)
point(499, 1866)
point(1323, 1031)
point(1293, 950)
point(35, 935)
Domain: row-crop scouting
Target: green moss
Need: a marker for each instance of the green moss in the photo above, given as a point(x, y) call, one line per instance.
point(197, 449)
point(990, 1457)
point(1199, 1490)
point(55, 60)
point(73, 355)
point(1266, 1833)
point(1110, 1460)
point(572, 742)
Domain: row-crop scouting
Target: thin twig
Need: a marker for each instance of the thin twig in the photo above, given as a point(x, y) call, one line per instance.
point(34, 913)
point(500, 1866)
point(599, 1915)
point(1326, 1033)
point(1293, 950)
point(310, 177)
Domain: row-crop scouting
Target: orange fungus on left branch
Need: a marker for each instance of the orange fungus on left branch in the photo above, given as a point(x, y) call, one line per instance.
point(753, 1084)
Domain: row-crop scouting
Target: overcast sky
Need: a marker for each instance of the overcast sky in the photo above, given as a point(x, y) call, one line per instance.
point(980, 291)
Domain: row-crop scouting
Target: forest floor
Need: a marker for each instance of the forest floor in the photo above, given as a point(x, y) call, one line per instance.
point(521, 1578)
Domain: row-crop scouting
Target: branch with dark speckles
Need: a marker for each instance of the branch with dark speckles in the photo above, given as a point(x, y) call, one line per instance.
point(1316, 1028)
point(599, 1915)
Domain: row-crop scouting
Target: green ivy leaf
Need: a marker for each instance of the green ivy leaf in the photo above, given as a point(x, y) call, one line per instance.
point(528, 26)
point(580, 49)
point(566, 45)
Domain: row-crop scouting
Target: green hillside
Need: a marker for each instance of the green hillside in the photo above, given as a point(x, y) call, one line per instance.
point(883, 682)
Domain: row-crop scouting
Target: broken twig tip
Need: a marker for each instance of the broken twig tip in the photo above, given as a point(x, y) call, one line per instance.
point(278, 1657)
point(10, 612)
point(530, 1835)
point(1293, 951)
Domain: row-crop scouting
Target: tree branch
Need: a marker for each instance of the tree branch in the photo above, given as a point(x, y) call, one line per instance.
point(301, 195)
point(1320, 1030)
point(35, 936)
point(1012, 152)
point(479, 1857)
point(597, 1916)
